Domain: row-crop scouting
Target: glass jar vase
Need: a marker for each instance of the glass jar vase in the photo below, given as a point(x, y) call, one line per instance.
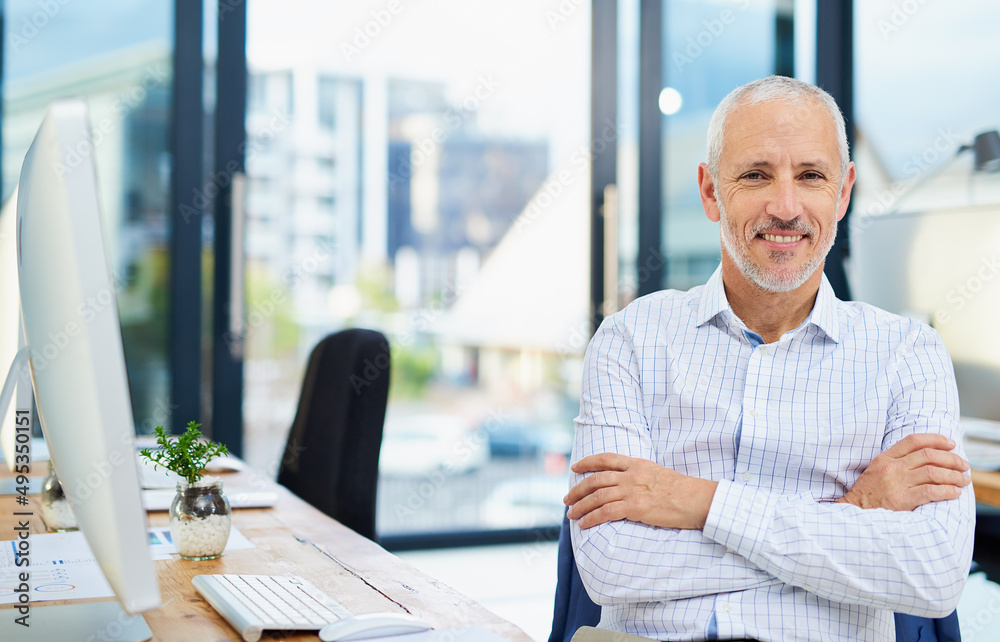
point(56, 510)
point(200, 517)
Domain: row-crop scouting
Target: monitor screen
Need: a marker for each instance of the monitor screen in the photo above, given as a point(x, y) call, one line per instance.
point(73, 337)
point(17, 420)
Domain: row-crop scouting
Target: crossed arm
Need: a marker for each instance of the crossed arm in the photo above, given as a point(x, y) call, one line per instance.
point(917, 470)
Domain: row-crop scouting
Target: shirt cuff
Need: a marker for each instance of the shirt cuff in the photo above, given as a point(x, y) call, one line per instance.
point(739, 518)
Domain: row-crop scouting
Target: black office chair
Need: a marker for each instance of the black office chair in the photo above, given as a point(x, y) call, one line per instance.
point(331, 457)
point(573, 607)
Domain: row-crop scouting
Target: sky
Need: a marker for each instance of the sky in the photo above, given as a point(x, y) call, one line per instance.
point(540, 57)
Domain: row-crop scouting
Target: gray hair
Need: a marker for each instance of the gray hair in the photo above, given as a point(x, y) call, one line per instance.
point(776, 88)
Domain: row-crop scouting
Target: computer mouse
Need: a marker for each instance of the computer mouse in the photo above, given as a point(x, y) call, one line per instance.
point(371, 625)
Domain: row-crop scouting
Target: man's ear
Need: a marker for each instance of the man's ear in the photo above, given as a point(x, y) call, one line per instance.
point(706, 187)
point(845, 191)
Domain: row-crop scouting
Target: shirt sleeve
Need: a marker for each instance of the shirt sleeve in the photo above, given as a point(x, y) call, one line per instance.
point(912, 562)
point(627, 562)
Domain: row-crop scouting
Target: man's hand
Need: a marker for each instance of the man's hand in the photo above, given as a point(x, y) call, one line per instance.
point(637, 490)
point(917, 470)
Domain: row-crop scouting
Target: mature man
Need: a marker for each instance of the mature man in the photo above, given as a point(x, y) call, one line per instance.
point(738, 444)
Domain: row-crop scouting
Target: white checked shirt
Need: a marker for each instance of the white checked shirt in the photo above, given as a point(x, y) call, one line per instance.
point(786, 428)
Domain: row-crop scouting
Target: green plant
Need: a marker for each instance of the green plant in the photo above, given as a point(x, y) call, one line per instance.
point(187, 455)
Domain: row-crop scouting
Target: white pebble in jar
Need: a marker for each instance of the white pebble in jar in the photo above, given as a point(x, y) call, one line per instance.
point(200, 536)
point(58, 515)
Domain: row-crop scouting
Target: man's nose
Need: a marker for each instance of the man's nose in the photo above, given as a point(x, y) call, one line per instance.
point(783, 201)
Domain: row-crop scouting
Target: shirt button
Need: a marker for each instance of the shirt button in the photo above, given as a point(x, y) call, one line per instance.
point(753, 413)
point(727, 607)
point(763, 350)
point(747, 476)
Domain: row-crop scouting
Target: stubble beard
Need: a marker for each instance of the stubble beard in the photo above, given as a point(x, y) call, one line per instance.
point(774, 279)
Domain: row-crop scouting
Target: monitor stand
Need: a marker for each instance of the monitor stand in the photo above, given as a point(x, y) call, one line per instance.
point(76, 622)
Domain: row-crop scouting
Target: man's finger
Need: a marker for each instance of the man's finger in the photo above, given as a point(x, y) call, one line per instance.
point(919, 441)
point(941, 476)
point(938, 458)
point(929, 493)
point(588, 485)
point(612, 512)
point(595, 500)
point(603, 461)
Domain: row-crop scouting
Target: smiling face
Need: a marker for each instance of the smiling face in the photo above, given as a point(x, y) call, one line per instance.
point(779, 193)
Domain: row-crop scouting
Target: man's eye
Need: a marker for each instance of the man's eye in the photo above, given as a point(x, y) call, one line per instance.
point(753, 176)
point(812, 176)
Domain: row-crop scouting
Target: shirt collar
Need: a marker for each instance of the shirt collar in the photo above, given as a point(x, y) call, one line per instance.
point(713, 298)
point(824, 313)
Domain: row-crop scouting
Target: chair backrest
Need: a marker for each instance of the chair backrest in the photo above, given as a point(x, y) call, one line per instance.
point(573, 607)
point(331, 456)
point(914, 628)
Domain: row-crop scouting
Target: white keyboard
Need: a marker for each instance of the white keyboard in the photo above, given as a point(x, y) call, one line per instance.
point(257, 603)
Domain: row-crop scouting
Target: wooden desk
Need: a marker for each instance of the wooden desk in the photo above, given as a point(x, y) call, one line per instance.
point(986, 484)
point(296, 539)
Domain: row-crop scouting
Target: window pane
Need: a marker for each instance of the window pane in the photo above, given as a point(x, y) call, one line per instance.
point(915, 107)
point(58, 50)
point(924, 223)
point(425, 171)
point(710, 48)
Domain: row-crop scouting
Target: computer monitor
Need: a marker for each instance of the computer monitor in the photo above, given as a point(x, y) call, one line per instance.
point(73, 336)
point(18, 421)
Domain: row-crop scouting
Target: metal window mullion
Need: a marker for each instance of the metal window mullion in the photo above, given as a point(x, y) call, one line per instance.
point(835, 74)
point(603, 109)
point(230, 138)
point(187, 176)
point(651, 145)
